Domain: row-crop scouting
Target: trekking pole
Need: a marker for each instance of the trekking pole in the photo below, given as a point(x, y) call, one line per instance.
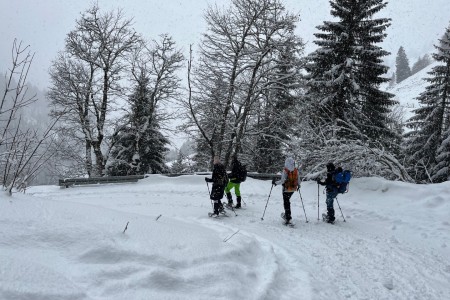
point(232, 208)
point(235, 214)
point(303, 205)
point(317, 202)
point(262, 218)
point(340, 209)
point(209, 192)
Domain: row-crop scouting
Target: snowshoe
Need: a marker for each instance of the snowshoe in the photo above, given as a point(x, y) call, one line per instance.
point(325, 219)
point(215, 215)
point(287, 222)
point(228, 206)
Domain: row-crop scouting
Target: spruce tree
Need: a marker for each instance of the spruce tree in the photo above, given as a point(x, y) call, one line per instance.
point(139, 145)
point(428, 144)
point(346, 71)
point(421, 63)
point(402, 65)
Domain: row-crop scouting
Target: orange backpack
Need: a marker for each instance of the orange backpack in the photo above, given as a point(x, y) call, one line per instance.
point(291, 182)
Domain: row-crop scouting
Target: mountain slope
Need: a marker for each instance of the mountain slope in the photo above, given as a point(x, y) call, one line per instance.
point(409, 89)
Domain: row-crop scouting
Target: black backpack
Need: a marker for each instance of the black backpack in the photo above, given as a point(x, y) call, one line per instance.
point(242, 174)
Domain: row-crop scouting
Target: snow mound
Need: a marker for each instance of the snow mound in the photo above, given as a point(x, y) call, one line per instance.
point(61, 249)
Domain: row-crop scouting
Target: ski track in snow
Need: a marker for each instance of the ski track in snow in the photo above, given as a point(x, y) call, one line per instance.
point(363, 258)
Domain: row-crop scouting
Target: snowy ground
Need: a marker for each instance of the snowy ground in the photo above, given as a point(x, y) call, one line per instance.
point(407, 91)
point(69, 243)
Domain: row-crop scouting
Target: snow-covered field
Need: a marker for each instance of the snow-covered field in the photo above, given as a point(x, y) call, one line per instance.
point(70, 243)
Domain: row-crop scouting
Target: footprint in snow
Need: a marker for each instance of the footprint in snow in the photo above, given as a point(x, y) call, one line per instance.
point(388, 283)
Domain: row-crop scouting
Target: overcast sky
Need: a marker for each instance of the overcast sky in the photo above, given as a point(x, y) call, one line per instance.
point(44, 24)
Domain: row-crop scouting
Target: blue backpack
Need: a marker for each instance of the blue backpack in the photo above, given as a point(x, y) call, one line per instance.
point(343, 179)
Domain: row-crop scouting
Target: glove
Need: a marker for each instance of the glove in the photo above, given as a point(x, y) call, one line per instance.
point(273, 182)
point(318, 180)
point(298, 188)
point(206, 179)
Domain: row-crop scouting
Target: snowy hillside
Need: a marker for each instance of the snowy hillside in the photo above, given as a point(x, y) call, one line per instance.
point(409, 89)
point(70, 243)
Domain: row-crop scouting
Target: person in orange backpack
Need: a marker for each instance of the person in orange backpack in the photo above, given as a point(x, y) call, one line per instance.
point(290, 180)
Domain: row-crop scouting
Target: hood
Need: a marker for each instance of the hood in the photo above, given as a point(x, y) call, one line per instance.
point(289, 164)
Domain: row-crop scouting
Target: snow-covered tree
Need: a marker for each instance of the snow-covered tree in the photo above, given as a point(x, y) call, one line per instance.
point(239, 54)
point(138, 142)
point(392, 80)
point(348, 118)
point(428, 143)
point(86, 77)
point(402, 70)
point(346, 71)
point(277, 113)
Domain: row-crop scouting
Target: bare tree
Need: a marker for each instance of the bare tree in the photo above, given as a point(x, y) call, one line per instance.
point(237, 63)
point(87, 75)
point(22, 150)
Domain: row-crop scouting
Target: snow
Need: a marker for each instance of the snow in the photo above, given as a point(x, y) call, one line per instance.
point(72, 244)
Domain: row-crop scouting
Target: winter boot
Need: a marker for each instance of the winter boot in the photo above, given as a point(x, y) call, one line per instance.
point(287, 215)
point(330, 215)
point(238, 199)
point(218, 207)
point(230, 199)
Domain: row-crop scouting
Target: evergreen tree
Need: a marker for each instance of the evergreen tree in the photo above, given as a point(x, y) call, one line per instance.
point(402, 65)
point(392, 80)
point(178, 165)
point(345, 74)
point(428, 144)
point(139, 142)
point(139, 146)
point(421, 64)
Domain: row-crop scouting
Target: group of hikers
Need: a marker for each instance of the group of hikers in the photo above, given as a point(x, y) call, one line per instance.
point(290, 180)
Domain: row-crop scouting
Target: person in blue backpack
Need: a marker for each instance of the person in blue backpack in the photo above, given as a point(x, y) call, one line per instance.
point(332, 190)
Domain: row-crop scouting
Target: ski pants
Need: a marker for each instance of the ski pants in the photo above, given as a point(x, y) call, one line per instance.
point(236, 187)
point(287, 204)
point(331, 195)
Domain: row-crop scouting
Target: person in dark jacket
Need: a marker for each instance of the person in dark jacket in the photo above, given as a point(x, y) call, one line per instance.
point(332, 191)
point(234, 183)
point(219, 180)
